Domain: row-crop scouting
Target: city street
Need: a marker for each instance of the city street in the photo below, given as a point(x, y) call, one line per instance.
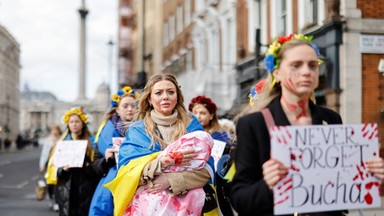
point(18, 176)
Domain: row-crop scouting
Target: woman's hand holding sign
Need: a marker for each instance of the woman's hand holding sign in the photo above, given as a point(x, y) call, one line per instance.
point(376, 167)
point(110, 153)
point(273, 172)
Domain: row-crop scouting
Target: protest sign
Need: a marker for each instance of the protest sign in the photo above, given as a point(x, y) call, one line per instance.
point(116, 142)
point(326, 167)
point(217, 151)
point(70, 153)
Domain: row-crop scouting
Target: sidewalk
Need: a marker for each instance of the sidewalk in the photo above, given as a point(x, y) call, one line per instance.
point(13, 148)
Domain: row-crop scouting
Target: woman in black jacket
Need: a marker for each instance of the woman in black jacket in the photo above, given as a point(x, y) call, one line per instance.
point(75, 186)
point(292, 62)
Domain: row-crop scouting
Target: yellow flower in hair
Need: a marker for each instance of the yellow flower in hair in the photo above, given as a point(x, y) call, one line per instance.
point(83, 118)
point(66, 119)
point(76, 111)
point(137, 95)
point(127, 90)
point(116, 98)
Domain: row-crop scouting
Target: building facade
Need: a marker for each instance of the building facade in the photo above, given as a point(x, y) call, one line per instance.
point(199, 47)
point(40, 110)
point(9, 84)
point(126, 44)
point(212, 46)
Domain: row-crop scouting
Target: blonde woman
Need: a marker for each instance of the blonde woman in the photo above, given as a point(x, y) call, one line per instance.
point(162, 119)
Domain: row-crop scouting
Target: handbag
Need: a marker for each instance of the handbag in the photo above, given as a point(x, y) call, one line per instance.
point(40, 189)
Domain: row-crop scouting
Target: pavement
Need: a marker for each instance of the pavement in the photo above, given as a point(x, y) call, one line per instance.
point(13, 148)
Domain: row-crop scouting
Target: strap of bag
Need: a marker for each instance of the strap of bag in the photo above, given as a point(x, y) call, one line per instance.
point(268, 119)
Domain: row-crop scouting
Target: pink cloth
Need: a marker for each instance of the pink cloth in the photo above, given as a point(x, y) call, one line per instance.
point(165, 203)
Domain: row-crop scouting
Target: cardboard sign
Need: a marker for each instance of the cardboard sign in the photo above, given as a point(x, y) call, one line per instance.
point(326, 168)
point(217, 151)
point(116, 142)
point(70, 153)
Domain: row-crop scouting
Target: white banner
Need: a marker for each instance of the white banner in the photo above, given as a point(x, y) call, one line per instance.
point(326, 168)
point(70, 153)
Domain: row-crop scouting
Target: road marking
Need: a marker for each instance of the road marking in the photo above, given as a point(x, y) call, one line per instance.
point(22, 184)
point(35, 177)
point(18, 186)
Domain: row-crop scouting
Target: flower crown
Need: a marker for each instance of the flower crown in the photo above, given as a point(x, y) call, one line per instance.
point(80, 111)
point(270, 60)
point(205, 101)
point(255, 91)
point(115, 99)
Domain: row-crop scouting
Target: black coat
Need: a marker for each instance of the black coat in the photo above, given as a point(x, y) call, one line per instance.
point(100, 165)
point(250, 193)
point(75, 189)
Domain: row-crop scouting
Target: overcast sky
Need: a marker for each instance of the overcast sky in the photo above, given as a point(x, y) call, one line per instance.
point(48, 34)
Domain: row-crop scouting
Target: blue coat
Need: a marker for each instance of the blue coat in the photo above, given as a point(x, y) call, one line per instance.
point(102, 201)
point(105, 138)
point(221, 136)
point(137, 141)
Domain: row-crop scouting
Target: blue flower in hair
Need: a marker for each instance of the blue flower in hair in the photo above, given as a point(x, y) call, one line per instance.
point(269, 62)
point(114, 104)
point(253, 92)
point(314, 46)
point(120, 92)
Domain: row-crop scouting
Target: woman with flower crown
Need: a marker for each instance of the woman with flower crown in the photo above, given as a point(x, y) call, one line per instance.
point(115, 124)
point(162, 120)
point(293, 65)
point(75, 186)
point(205, 111)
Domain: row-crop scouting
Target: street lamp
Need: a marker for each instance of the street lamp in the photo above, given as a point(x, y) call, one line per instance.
point(110, 57)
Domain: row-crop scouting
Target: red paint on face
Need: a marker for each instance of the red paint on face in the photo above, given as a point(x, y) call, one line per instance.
point(289, 85)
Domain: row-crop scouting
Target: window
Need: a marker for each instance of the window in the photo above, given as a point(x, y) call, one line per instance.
point(187, 12)
point(257, 13)
point(283, 18)
point(171, 27)
point(179, 20)
point(312, 10)
point(189, 60)
point(165, 34)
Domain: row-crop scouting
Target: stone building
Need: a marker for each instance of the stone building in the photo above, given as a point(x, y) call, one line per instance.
point(9, 84)
point(40, 110)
